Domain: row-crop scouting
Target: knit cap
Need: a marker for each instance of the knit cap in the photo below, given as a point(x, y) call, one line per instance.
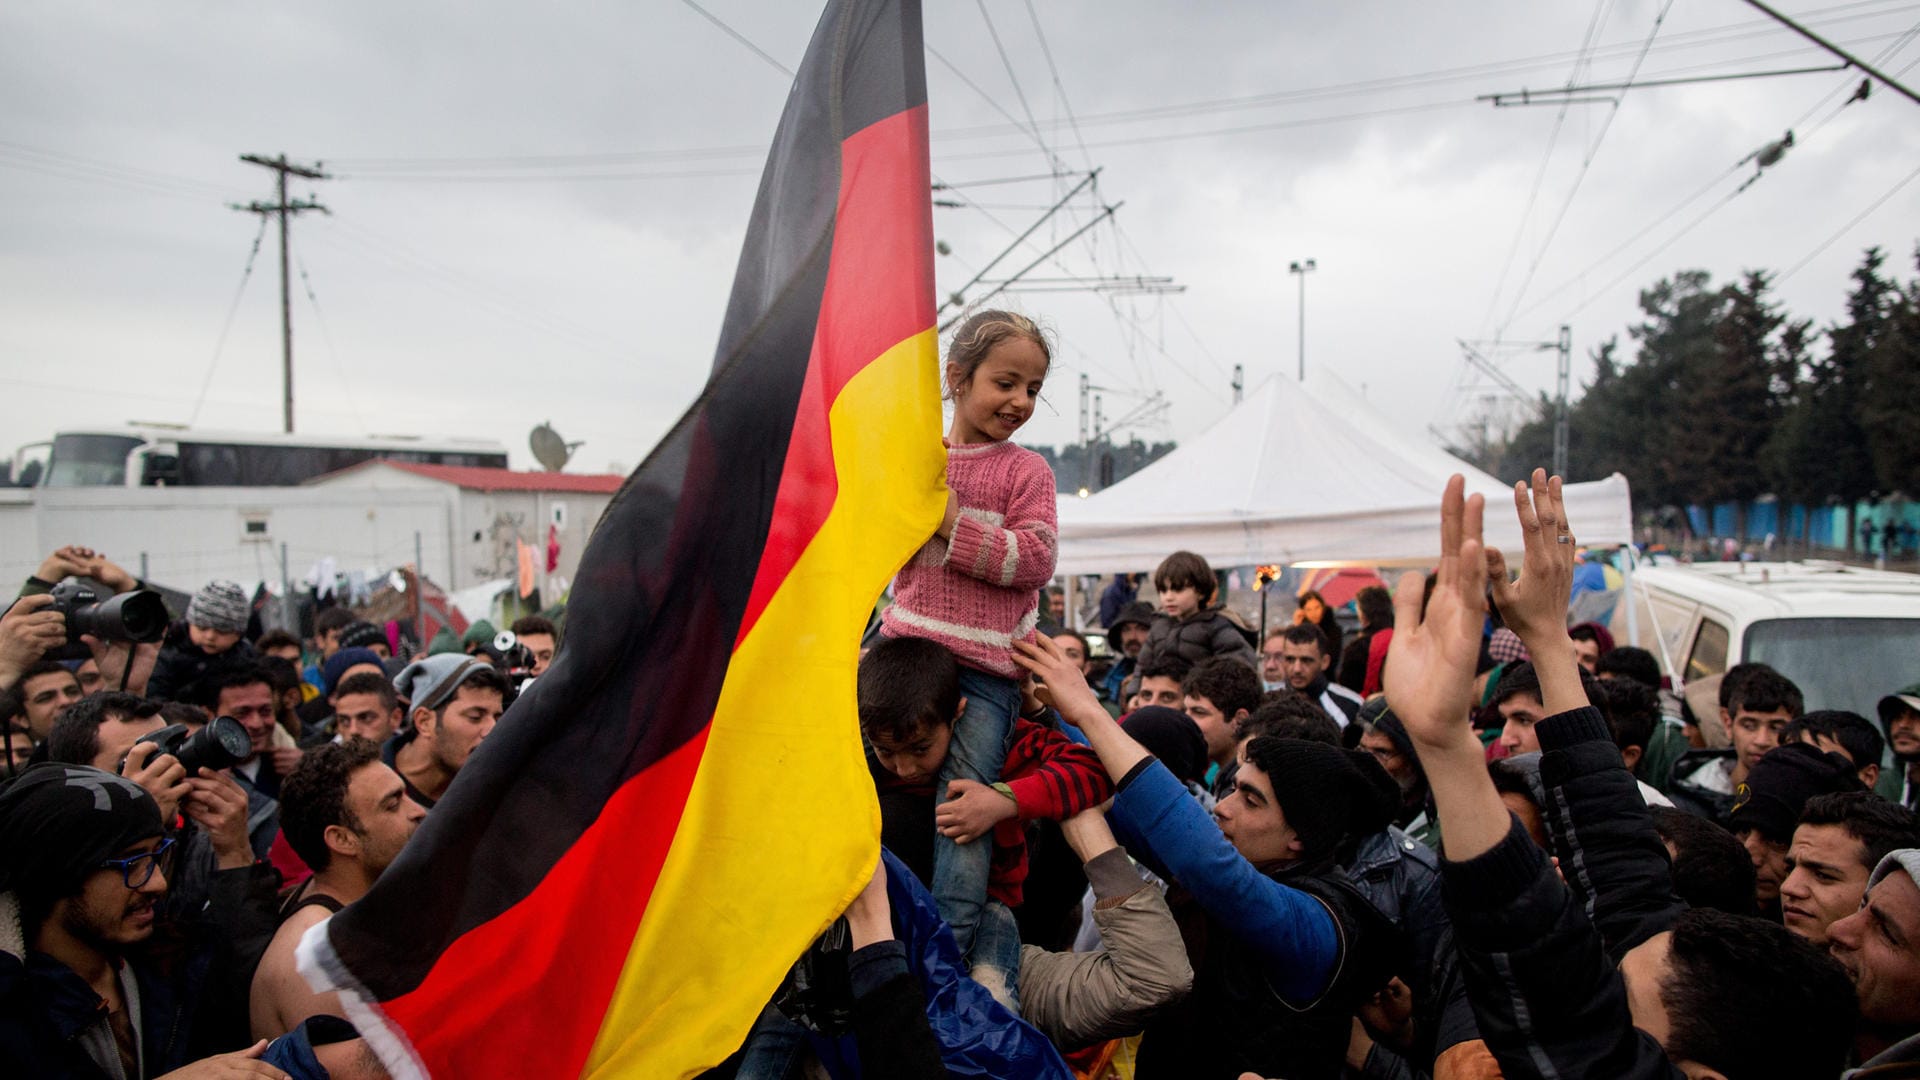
point(338, 663)
point(443, 642)
point(1778, 786)
point(59, 822)
point(1905, 859)
point(220, 605)
point(430, 683)
point(362, 635)
point(1171, 736)
point(1326, 793)
point(480, 633)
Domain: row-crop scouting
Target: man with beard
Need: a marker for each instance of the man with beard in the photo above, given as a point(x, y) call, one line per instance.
point(1900, 719)
point(1879, 948)
point(456, 700)
point(1383, 736)
point(94, 982)
point(1126, 636)
point(1298, 658)
point(347, 815)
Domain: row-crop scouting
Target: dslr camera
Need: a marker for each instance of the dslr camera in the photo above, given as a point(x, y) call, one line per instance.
point(220, 744)
point(139, 616)
point(516, 662)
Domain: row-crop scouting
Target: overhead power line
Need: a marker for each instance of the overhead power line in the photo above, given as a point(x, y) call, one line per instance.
point(1013, 77)
point(226, 325)
point(1553, 97)
point(1685, 40)
point(1546, 159)
point(741, 38)
point(1836, 50)
point(1848, 227)
point(1586, 165)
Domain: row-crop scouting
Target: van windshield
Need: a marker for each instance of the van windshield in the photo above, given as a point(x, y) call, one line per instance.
point(1839, 663)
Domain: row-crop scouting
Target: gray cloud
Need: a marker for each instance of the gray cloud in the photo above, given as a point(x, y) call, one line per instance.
point(459, 302)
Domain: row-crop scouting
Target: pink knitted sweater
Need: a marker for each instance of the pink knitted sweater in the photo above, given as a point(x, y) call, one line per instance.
point(978, 594)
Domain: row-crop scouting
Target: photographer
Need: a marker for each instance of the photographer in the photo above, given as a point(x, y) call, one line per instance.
point(203, 808)
point(95, 979)
point(114, 625)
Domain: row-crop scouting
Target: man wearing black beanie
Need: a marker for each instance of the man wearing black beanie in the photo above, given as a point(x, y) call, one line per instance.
point(1767, 806)
point(1284, 948)
point(80, 886)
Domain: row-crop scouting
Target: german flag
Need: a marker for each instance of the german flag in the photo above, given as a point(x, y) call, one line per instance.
point(622, 873)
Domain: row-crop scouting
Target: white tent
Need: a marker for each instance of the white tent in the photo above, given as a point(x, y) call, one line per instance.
point(1303, 474)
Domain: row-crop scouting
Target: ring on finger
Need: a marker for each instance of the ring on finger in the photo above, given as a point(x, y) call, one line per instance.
point(1564, 538)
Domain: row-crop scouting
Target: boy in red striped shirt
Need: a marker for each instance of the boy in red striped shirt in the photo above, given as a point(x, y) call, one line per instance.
point(909, 700)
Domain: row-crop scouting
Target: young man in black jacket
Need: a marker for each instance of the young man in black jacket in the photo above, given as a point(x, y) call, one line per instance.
point(94, 981)
point(1605, 974)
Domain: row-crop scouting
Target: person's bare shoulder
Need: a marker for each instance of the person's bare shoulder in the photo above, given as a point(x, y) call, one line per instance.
point(277, 982)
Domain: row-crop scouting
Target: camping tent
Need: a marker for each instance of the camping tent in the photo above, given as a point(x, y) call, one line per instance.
point(1303, 474)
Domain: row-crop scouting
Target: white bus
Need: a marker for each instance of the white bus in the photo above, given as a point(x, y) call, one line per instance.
point(156, 455)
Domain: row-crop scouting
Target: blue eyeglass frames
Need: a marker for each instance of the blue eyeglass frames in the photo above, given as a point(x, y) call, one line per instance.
point(137, 870)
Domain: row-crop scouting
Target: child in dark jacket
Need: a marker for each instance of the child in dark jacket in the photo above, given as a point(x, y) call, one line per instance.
point(210, 641)
point(909, 699)
point(1189, 626)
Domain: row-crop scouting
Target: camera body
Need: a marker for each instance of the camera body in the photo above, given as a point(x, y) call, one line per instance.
point(139, 616)
point(221, 744)
point(516, 663)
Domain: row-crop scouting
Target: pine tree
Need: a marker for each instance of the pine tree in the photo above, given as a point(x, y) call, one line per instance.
point(1890, 398)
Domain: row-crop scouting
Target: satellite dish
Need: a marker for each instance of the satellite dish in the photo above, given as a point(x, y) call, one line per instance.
point(549, 449)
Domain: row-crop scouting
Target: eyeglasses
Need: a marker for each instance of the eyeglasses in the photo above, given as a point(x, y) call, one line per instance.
point(137, 870)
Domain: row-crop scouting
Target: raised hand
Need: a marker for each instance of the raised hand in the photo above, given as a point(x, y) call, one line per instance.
point(124, 665)
point(1535, 605)
point(1430, 661)
point(27, 632)
point(1430, 679)
point(70, 561)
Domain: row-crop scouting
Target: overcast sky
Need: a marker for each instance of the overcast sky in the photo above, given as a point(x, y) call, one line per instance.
point(536, 209)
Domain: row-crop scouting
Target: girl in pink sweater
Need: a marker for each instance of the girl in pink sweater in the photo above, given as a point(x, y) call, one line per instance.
point(974, 586)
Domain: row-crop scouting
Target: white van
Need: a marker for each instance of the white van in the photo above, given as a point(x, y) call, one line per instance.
point(1846, 636)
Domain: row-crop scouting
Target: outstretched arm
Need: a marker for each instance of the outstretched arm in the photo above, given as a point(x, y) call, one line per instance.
point(1431, 691)
point(1544, 994)
point(1613, 858)
point(1295, 934)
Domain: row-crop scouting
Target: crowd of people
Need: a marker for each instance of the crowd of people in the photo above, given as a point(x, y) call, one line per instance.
point(1468, 840)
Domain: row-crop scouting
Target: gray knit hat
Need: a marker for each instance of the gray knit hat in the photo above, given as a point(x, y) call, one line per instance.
point(430, 683)
point(1907, 859)
point(219, 605)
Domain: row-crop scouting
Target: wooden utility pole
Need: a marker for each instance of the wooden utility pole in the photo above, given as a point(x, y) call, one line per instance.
point(284, 209)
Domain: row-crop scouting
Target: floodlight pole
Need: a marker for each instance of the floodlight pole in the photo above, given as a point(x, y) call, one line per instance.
point(1302, 269)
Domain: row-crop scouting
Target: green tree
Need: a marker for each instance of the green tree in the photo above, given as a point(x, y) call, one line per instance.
point(1725, 395)
point(1829, 446)
point(1677, 336)
point(1890, 400)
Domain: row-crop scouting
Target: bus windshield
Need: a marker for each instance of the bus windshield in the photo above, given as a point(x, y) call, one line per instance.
point(1838, 663)
point(90, 460)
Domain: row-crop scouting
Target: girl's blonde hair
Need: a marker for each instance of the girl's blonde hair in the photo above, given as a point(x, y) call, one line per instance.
point(976, 336)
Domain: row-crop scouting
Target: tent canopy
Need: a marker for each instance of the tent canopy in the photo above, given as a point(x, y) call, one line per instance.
point(1303, 474)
